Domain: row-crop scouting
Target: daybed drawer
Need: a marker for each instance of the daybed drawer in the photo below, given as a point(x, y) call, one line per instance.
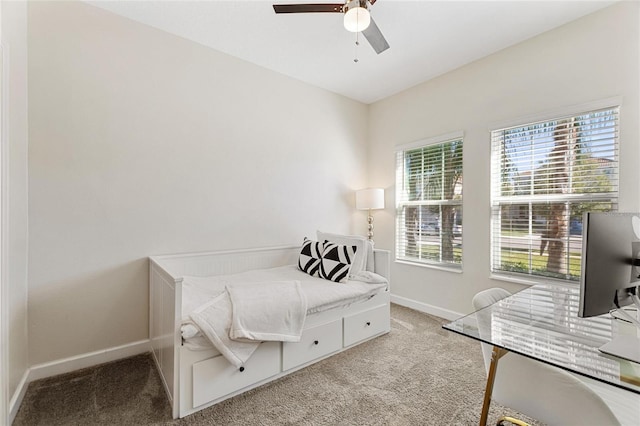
point(216, 377)
point(315, 342)
point(366, 324)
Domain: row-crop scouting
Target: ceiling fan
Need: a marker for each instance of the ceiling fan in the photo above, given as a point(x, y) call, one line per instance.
point(356, 18)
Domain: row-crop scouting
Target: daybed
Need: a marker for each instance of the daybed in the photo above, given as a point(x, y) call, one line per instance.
point(196, 379)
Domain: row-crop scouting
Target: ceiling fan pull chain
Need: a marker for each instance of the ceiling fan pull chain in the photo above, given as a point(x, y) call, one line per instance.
point(356, 49)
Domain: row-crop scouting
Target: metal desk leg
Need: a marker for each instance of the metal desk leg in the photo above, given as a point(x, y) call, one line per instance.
point(493, 368)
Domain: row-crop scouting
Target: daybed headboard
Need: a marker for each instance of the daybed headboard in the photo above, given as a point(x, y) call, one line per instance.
point(235, 261)
point(227, 262)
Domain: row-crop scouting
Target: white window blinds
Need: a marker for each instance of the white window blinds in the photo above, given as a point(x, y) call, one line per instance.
point(429, 203)
point(545, 175)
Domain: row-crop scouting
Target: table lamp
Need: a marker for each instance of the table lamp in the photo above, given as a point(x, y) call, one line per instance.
point(370, 199)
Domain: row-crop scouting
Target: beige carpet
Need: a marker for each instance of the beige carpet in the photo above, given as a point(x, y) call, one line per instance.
point(419, 374)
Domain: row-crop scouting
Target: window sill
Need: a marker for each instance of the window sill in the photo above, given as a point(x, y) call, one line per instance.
point(456, 270)
point(530, 281)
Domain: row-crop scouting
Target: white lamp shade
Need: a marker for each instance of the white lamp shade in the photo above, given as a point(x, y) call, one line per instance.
point(371, 198)
point(357, 19)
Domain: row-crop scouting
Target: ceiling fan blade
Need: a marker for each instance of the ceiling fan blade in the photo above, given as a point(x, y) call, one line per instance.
point(308, 8)
point(372, 1)
point(375, 38)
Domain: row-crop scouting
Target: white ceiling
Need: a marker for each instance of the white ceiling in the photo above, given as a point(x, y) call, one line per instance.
point(427, 38)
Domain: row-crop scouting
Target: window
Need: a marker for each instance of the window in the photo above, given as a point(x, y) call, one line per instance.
point(545, 175)
point(429, 202)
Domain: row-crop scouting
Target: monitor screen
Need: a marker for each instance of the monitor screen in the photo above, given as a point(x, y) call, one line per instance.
point(609, 268)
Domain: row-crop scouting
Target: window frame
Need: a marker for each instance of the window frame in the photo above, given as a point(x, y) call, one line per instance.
point(497, 199)
point(401, 204)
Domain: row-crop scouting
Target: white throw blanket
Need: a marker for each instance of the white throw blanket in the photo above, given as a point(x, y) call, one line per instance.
point(270, 311)
point(252, 312)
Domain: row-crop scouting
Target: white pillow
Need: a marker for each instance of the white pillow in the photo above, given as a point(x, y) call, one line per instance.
point(363, 247)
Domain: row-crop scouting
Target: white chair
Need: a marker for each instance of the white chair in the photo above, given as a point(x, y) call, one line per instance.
point(538, 390)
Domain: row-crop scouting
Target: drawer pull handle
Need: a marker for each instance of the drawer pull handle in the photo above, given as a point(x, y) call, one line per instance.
point(368, 323)
point(315, 342)
point(241, 369)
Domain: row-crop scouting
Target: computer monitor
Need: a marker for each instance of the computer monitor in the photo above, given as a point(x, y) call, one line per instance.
point(609, 275)
point(610, 270)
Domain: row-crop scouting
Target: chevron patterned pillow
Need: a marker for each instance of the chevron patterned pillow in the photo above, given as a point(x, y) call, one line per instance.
point(336, 261)
point(310, 257)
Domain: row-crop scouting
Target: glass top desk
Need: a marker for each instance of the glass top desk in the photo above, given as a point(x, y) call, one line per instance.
point(542, 323)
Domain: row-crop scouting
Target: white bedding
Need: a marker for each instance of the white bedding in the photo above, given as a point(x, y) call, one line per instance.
point(199, 293)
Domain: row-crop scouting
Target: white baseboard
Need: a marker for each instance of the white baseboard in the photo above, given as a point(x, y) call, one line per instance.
point(77, 362)
point(426, 308)
point(67, 365)
point(18, 396)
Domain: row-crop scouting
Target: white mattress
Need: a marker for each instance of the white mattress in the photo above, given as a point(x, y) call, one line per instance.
point(321, 294)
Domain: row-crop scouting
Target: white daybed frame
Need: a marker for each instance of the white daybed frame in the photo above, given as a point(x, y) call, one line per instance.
point(195, 380)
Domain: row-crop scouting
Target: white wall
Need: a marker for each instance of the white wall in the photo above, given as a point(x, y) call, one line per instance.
point(594, 58)
point(14, 190)
point(143, 143)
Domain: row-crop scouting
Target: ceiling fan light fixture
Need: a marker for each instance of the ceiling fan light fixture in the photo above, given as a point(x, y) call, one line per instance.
point(356, 18)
